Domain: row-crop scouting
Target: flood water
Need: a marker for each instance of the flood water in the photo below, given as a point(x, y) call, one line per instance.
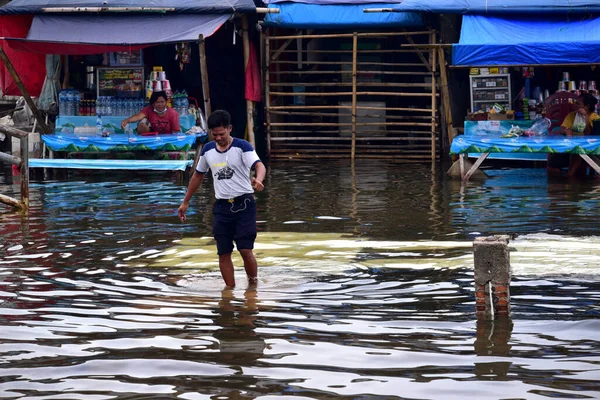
point(366, 289)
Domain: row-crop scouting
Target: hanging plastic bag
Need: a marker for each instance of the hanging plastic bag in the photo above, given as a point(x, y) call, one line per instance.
point(540, 127)
point(579, 123)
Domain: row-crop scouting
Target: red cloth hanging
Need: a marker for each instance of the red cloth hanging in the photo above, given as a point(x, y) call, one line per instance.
point(30, 67)
point(253, 82)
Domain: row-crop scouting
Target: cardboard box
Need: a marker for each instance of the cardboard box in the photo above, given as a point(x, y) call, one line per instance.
point(497, 117)
point(494, 70)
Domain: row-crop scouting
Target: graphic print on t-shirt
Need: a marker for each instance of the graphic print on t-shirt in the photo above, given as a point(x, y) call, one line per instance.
point(225, 173)
point(160, 125)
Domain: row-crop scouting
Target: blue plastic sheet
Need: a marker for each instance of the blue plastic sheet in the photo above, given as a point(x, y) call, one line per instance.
point(589, 145)
point(301, 15)
point(500, 6)
point(155, 165)
point(527, 40)
point(67, 124)
point(70, 142)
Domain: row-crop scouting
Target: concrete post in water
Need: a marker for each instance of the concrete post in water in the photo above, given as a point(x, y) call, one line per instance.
point(492, 276)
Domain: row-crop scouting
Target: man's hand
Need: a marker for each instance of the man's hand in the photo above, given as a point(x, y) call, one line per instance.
point(124, 123)
point(181, 211)
point(569, 132)
point(257, 185)
point(582, 111)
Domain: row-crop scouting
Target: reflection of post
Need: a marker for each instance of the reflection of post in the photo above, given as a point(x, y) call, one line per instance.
point(493, 340)
point(354, 203)
point(435, 214)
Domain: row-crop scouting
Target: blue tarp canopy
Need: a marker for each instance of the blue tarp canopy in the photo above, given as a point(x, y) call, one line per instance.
point(499, 6)
point(324, 14)
point(180, 6)
point(527, 40)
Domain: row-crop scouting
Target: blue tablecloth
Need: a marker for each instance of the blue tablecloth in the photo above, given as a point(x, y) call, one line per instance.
point(67, 124)
point(589, 145)
point(118, 142)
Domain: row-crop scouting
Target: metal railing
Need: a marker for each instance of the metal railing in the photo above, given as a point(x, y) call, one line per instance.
point(22, 162)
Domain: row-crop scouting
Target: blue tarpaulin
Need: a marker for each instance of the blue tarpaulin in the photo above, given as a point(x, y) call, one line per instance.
point(180, 6)
point(302, 15)
point(527, 40)
point(500, 6)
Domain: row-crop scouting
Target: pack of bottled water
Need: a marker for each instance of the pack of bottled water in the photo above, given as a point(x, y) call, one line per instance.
point(68, 102)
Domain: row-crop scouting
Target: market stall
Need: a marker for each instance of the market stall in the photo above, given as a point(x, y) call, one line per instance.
point(119, 83)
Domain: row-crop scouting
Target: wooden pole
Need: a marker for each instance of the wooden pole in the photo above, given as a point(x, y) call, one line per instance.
point(354, 56)
point(267, 74)
point(249, 103)
point(36, 112)
point(446, 96)
point(67, 75)
point(24, 172)
point(433, 63)
point(204, 78)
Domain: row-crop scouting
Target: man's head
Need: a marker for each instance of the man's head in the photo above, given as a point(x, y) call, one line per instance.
point(219, 124)
point(588, 101)
point(159, 100)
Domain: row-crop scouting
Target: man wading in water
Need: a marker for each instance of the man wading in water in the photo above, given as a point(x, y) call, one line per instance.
point(230, 161)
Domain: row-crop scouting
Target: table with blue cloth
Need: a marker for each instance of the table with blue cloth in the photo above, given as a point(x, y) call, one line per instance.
point(65, 139)
point(486, 142)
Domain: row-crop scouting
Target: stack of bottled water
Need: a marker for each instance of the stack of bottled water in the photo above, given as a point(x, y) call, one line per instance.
point(181, 102)
point(68, 102)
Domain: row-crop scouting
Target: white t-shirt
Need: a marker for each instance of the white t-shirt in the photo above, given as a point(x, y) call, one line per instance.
point(230, 169)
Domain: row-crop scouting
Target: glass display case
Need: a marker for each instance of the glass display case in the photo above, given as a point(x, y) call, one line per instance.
point(486, 90)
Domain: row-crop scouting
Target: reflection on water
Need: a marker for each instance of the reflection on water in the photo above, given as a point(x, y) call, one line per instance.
point(366, 290)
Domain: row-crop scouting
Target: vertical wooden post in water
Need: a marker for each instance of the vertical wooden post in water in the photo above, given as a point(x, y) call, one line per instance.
point(354, 56)
point(249, 103)
point(492, 276)
point(433, 63)
point(24, 170)
point(204, 78)
point(267, 74)
point(446, 96)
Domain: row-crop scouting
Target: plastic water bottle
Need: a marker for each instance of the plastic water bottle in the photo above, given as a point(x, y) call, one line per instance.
point(185, 103)
point(69, 103)
point(62, 103)
point(76, 102)
point(99, 125)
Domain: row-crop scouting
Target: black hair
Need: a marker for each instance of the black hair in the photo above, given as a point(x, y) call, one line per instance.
point(589, 101)
point(219, 118)
point(156, 95)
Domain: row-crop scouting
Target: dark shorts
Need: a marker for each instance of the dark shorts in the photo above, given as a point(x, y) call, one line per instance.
point(234, 222)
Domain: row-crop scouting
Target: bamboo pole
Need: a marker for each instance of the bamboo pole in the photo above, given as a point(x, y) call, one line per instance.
point(11, 202)
point(311, 107)
point(424, 124)
point(24, 170)
point(354, 63)
point(380, 64)
point(363, 84)
point(411, 73)
point(204, 79)
point(349, 35)
point(320, 94)
point(267, 74)
point(249, 103)
point(419, 53)
point(67, 73)
point(350, 51)
point(446, 95)
point(10, 159)
point(358, 139)
point(281, 50)
point(13, 73)
point(433, 62)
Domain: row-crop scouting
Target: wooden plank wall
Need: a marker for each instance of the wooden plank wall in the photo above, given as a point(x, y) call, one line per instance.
point(362, 95)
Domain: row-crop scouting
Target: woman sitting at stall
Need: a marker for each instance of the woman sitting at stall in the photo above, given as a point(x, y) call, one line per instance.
point(576, 123)
point(157, 117)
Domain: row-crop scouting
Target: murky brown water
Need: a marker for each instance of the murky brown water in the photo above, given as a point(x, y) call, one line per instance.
point(366, 289)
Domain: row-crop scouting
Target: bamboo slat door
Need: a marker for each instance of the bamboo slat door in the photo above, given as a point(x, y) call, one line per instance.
point(351, 95)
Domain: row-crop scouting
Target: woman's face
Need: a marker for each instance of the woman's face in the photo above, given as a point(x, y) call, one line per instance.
point(160, 104)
